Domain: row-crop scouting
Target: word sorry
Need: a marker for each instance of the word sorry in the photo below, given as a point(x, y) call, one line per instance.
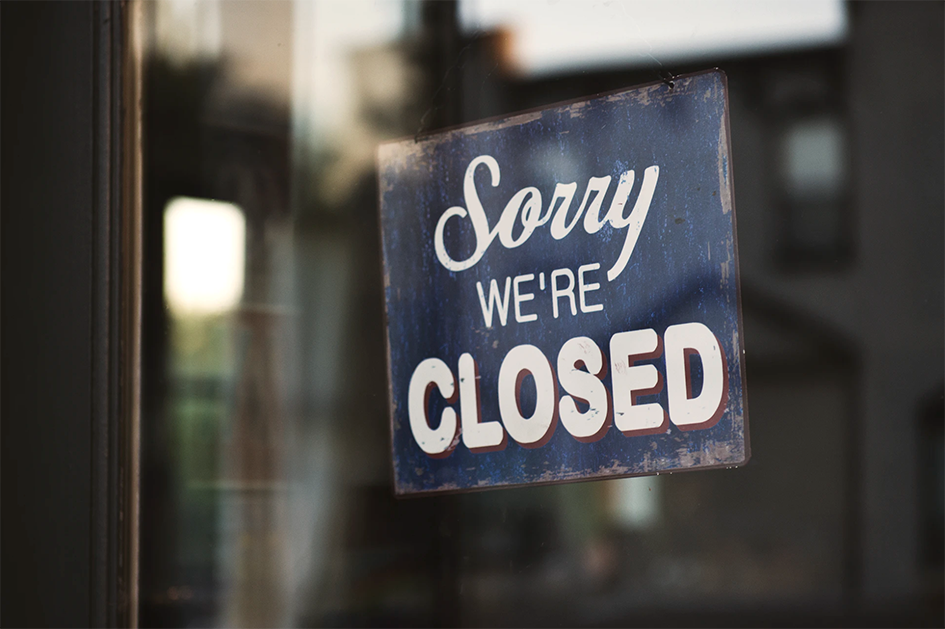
point(581, 367)
point(527, 202)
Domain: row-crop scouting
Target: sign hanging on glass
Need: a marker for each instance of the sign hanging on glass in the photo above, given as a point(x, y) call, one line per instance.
point(562, 293)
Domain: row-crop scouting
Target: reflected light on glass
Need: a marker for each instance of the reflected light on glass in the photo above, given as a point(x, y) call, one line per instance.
point(204, 252)
point(326, 36)
point(185, 30)
point(549, 37)
point(636, 503)
point(813, 155)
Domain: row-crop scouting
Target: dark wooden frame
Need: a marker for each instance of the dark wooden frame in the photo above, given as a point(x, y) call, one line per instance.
point(70, 308)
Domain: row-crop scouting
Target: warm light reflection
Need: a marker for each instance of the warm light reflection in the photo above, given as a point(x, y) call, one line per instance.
point(204, 251)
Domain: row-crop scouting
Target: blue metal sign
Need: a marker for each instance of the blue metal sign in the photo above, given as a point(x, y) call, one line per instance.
point(562, 293)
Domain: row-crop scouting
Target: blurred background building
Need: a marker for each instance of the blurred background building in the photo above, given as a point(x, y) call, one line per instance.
point(266, 487)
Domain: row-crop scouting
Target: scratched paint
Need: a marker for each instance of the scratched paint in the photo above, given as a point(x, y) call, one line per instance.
point(683, 269)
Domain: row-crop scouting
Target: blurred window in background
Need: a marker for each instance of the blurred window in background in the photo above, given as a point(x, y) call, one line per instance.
point(814, 165)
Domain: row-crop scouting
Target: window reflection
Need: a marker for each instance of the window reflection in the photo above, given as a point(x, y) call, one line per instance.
point(636, 502)
point(204, 256)
point(813, 160)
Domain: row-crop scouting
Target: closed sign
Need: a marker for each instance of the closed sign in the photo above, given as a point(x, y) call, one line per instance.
point(562, 293)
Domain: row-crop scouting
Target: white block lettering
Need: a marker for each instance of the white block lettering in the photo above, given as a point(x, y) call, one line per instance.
point(704, 410)
point(562, 292)
point(441, 441)
point(584, 288)
point(496, 302)
point(585, 386)
point(478, 436)
point(519, 297)
point(631, 381)
point(534, 431)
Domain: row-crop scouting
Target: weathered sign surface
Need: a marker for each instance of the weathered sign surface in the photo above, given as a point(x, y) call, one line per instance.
point(562, 293)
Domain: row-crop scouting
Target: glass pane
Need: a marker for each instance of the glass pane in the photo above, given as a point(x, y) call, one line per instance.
point(266, 484)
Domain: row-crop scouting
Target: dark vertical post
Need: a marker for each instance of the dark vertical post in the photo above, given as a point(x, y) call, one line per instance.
point(444, 60)
point(64, 428)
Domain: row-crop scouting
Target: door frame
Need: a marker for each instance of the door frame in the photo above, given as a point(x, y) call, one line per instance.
point(71, 311)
